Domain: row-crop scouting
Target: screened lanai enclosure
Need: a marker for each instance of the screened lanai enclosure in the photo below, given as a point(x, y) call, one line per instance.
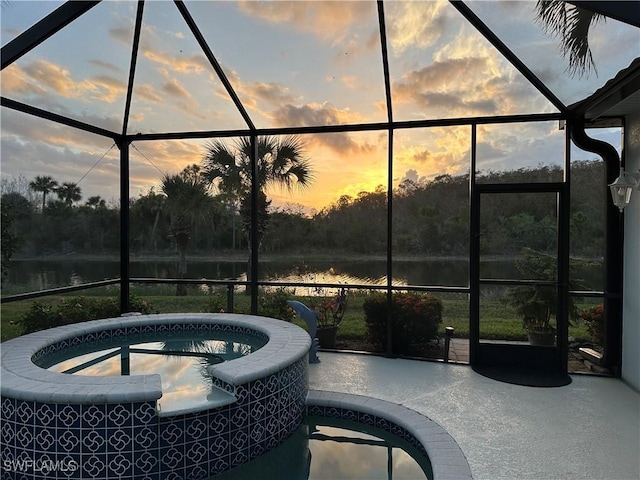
point(230, 155)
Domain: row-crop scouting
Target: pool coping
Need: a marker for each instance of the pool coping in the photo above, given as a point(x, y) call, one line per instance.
point(448, 462)
point(24, 380)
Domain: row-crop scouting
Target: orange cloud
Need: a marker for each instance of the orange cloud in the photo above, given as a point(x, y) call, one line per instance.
point(351, 81)
point(196, 63)
point(431, 152)
point(416, 24)
point(55, 78)
point(109, 88)
point(41, 76)
point(330, 21)
point(188, 64)
point(15, 81)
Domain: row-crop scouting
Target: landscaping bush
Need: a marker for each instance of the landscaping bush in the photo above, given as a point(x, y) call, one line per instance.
point(415, 319)
point(271, 304)
point(217, 303)
point(44, 315)
point(594, 320)
point(274, 305)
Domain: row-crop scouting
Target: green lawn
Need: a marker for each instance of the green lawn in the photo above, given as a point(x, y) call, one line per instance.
point(498, 320)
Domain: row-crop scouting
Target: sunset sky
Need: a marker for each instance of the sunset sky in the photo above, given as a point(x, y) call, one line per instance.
point(291, 64)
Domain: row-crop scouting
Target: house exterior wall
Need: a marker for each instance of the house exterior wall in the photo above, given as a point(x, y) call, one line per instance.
point(631, 300)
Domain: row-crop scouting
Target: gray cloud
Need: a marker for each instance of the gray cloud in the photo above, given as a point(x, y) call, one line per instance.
point(454, 102)
point(122, 34)
point(271, 92)
point(106, 65)
point(307, 115)
point(32, 146)
point(174, 88)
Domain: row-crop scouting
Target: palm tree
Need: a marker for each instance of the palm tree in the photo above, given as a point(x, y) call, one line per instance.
point(571, 23)
point(187, 201)
point(280, 162)
point(96, 202)
point(44, 184)
point(69, 192)
point(148, 208)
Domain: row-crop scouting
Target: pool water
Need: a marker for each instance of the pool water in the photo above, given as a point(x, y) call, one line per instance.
point(328, 448)
point(181, 363)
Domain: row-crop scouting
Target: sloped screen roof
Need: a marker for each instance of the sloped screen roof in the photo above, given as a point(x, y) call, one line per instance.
point(221, 68)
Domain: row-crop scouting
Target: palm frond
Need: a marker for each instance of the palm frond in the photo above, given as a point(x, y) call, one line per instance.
point(221, 165)
point(571, 25)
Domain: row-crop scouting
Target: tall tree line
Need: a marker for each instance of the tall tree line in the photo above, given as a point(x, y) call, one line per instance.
point(430, 218)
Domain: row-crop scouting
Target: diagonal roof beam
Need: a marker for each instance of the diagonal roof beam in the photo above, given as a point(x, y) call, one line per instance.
point(385, 60)
point(38, 33)
point(132, 67)
point(214, 63)
point(626, 11)
point(487, 33)
point(70, 122)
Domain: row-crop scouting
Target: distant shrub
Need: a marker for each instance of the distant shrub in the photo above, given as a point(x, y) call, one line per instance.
point(415, 319)
point(274, 305)
point(43, 315)
point(217, 303)
point(594, 320)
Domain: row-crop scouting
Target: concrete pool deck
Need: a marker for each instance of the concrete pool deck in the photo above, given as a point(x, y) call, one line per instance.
point(588, 430)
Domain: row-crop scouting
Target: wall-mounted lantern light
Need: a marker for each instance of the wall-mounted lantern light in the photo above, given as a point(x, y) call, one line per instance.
point(623, 186)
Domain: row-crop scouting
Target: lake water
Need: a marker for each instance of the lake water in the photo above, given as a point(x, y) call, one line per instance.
point(44, 274)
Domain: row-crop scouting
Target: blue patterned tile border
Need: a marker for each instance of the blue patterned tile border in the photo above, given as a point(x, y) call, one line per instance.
point(121, 333)
point(77, 428)
point(447, 459)
point(22, 379)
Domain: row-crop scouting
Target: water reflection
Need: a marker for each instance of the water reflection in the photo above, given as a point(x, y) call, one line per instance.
point(181, 363)
point(327, 448)
point(38, 275)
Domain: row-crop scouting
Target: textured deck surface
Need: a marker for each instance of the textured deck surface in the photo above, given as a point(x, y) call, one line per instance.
point(589, 429)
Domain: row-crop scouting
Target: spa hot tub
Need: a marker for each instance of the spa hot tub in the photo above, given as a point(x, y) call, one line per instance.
point(81, 425)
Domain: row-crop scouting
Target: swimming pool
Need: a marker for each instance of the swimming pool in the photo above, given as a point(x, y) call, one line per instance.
point(333, 448)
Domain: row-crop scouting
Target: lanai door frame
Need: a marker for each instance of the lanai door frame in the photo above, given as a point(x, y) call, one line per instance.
point(507, 353)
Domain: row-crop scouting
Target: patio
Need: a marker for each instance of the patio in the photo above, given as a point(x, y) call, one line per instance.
point(589, 429)
point(162, 60)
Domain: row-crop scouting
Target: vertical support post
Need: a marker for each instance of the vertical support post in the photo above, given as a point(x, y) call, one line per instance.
point(389, 245)
point(474, 255)
point(230, 298)
point(448, 333)
point(125, 361)
point(614, 275)
point(255, 190)
point(123, 145)
point(387, 89)
point(562, 289)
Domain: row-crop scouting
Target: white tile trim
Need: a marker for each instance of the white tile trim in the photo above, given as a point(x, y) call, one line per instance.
point(447, 460)
point(24, 380)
